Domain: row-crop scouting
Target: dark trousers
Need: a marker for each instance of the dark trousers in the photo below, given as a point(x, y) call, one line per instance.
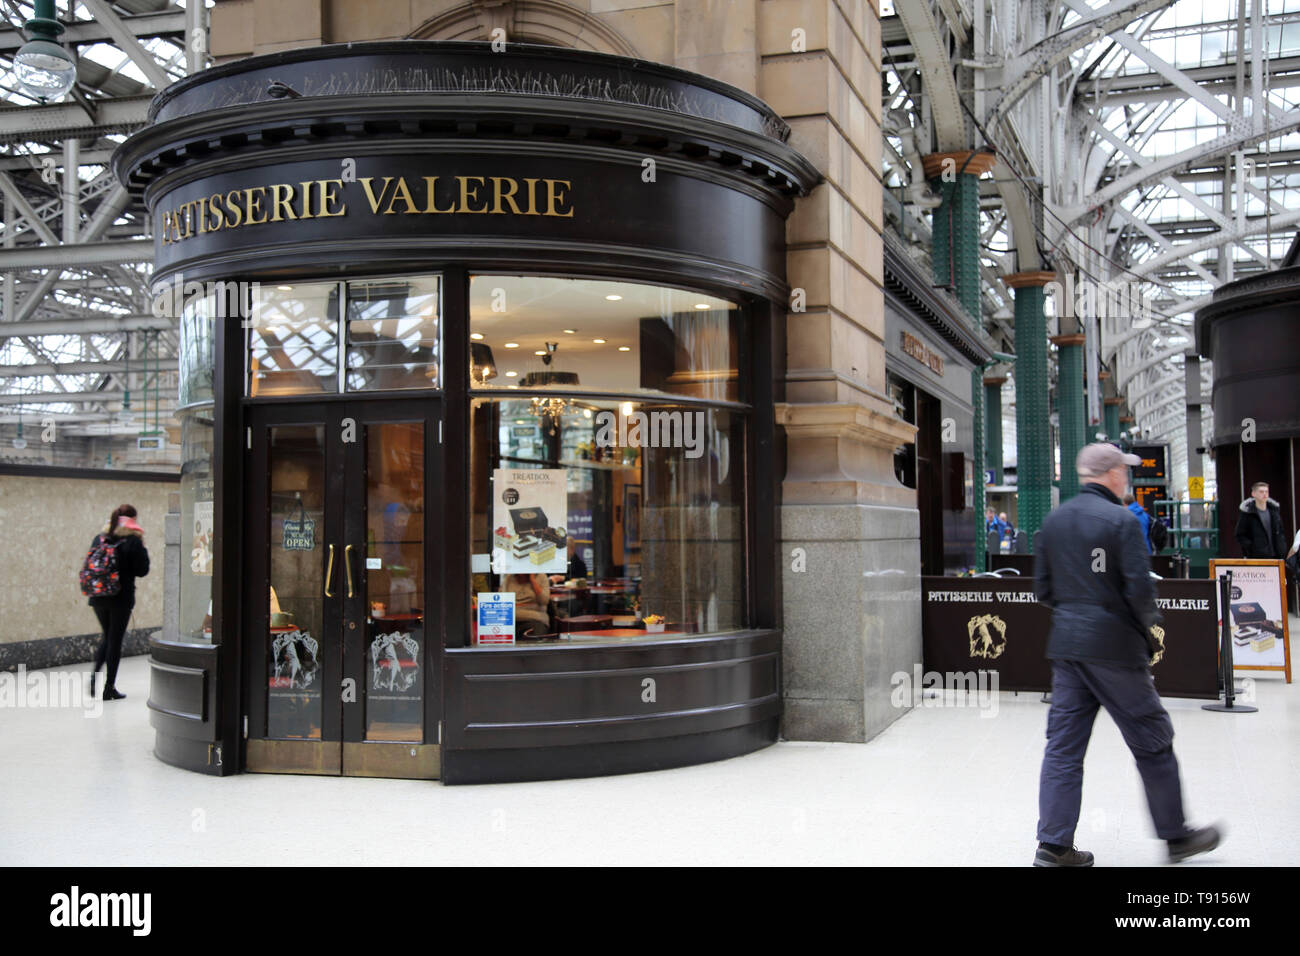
point(1129, 696)
point(114, 616)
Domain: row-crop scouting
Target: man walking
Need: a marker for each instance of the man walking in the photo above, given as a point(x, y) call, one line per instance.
point(1259, 528)
point(1092, 569)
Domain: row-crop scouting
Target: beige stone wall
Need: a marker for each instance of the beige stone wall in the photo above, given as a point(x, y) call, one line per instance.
point(49, 523)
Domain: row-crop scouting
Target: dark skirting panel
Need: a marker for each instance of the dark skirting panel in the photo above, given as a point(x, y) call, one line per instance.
point(583, 711)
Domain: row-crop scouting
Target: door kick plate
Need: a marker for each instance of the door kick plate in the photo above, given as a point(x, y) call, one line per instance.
point(385, 759)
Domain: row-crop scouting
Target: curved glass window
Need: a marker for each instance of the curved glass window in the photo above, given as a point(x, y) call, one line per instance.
point(197, 366)
point(599, 335)
point(607, 468)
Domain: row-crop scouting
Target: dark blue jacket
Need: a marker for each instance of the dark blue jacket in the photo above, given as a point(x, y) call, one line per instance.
point(1092, 568)
point(1145, 520)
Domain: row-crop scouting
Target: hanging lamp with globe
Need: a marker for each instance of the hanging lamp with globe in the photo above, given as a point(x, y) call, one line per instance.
point(43, 68)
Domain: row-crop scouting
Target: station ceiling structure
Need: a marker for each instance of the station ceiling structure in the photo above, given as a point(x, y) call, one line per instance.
point(1146, 147)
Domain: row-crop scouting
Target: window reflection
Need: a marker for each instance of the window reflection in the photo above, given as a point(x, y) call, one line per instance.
point(538, 332)
point(293, 339)
point(392, 333)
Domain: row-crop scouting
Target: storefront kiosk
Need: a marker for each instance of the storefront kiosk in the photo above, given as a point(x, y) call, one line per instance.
point(417, 283)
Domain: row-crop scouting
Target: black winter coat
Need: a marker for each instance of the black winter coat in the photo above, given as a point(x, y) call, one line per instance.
point(132, 563)
point(1102, 614)
point(1255, 540)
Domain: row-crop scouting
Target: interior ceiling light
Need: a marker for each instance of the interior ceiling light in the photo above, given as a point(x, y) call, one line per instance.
point(613, 298)
point(44, 69)
point(599, 341)
point(512, 345)
point(625, 348)
point(701, 305)
point(570, 331)
point(476, 336)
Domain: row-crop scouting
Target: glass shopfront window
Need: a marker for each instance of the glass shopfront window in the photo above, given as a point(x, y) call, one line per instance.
point(541, 332)
point(390, 339)
point(608, 518)
point(196, 485)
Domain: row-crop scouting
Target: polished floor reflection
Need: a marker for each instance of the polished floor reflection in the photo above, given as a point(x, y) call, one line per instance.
point(939, 787)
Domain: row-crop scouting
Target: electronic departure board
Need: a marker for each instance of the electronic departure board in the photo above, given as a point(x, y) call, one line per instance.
point(1154, 464)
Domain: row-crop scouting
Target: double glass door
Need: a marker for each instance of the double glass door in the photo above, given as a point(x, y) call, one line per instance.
point(342, 628)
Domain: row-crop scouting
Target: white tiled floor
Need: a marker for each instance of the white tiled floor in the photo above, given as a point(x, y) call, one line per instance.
point(939, 787)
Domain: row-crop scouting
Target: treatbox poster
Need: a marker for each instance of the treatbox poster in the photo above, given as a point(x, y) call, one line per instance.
point(529, 508)
point(1257, 614)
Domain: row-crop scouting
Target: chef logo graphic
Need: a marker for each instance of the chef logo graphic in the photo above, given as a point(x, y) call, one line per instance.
point(988, 635)
point(1158, 637)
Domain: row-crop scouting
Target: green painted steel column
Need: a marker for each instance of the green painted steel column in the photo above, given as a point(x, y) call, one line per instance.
point(993, 426)
point(1112, 419)
point(1069, 394)
point(1033, 437)
point(955, 256)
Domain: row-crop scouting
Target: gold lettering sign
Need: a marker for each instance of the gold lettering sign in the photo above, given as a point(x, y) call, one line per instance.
point(383, 195)
point(922, 353)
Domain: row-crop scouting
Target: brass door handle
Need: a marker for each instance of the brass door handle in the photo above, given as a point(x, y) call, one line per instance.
point(347, 565)
point(329, 572)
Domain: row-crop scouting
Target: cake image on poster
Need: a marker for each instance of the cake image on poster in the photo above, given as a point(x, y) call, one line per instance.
point(524, 540)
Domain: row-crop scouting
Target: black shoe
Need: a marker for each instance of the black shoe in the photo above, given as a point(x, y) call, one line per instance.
point(1197, 841)
point(1051, 855)
point(112, 693)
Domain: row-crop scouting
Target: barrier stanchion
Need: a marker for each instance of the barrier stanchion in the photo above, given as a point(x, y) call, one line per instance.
point(1228, 704)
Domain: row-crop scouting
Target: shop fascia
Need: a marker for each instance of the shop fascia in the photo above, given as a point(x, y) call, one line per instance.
point(382, 195)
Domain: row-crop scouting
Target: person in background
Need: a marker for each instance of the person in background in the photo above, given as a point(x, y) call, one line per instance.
point(1144, 519)
point(532, 599)
point(1259, 528)
point(1008, 532)
point(114, 612)
point(1100, 649)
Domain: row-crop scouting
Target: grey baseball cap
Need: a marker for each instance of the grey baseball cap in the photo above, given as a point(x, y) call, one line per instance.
point(1099, 458)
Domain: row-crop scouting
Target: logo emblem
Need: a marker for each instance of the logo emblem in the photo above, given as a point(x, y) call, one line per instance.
point(1158, 634)
point(394, 661)
point(982, 641)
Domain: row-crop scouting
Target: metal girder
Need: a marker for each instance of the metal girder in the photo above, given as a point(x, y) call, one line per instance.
point(1027, 69)
point(166, 23)
point(77, 254)
point(161, 363)
point(1253, 227)
point(929, 43)
point(57, 121)
point(126, 41)
point(83, 326)
point(1137, 393)
point(1124, 376)
point(1157, 169)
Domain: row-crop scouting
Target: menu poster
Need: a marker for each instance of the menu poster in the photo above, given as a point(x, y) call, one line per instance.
point(528, 505)
point(201, 544)
point(1257, 614)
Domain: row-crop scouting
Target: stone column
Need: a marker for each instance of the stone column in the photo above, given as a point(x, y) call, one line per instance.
point(1033, 440)
point(1070, 405)
point(848, 528)
point(993, 425)
point(955, 257)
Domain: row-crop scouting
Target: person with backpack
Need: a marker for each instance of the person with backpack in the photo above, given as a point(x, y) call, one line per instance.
point(1144, 519)
point(116, 558)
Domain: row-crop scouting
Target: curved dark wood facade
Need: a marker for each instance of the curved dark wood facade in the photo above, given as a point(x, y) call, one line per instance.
point(536, 160)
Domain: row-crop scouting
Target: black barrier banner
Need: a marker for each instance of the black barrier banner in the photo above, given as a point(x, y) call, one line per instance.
point(991, 624)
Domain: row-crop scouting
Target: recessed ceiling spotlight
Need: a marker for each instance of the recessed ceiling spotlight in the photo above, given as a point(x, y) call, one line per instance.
point(511, 374)
point(701, 305)
point(613, 298)
point(625, 348)
point(540, 352)
point(599, 341)
point(285, 288)
point(476, 336)
point(570, 331)
point(512, 345)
